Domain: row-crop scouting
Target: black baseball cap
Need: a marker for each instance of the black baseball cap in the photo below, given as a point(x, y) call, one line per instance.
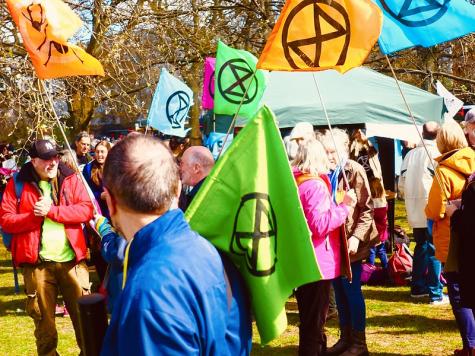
point(43, 149)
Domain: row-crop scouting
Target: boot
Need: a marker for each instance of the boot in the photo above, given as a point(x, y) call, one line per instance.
point(342, 344)
point(465, 352)
point(358, 345)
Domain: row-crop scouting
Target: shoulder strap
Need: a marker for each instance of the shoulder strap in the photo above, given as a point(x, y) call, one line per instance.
point(305, 177)
point(18, 188)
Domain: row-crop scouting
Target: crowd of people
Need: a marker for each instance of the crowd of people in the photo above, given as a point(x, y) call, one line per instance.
point(169, 291)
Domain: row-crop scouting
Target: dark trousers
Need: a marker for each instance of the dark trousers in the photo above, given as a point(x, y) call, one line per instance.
point(313, 300)
point(463, 316)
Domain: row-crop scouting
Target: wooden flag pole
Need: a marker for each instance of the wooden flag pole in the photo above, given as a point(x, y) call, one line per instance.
point(439, 181)
point(83, 180)
point(345, 178)
point(233, 122)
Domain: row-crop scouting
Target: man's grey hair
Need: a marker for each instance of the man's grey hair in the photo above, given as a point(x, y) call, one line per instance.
point(202, 156)
point(141, 174)
point(81, 135)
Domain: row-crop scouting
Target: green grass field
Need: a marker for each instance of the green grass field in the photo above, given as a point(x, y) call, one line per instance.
point(396, 324)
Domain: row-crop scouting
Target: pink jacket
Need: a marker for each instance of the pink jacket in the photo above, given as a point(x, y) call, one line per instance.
point(324, 219)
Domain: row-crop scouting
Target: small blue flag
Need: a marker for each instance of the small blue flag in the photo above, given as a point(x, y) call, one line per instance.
point(170, 105)
point(426, 23)
point(215, 143)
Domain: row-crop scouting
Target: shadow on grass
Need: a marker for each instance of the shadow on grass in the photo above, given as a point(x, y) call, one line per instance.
point(10, 307)
point(273, 350)
point(411, 324)
point(389, 294)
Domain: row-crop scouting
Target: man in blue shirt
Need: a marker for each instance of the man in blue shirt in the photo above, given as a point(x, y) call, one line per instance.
point(180, 296)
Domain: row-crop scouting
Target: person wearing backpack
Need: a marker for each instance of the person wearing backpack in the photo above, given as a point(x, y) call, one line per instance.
point(48, 241)
point(417, 174)
point(361, 234)
point(325, 219)
point(454, 167)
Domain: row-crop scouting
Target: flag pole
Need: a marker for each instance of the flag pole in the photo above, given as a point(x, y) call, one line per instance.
point(83, 180)
point(418, 132)
point(233, 122)
point(345, 178)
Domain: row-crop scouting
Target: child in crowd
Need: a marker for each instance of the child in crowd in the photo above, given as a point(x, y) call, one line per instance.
point(380, 218)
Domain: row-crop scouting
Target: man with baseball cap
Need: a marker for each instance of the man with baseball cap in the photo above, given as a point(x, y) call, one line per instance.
point(48, 241)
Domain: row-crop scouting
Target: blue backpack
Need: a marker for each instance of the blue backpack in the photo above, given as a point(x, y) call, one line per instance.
point(6, 237)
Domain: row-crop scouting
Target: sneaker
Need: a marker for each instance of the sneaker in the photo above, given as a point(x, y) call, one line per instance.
point(419, 295)
point(59, 310)
point(443, 301)
point(66, 313)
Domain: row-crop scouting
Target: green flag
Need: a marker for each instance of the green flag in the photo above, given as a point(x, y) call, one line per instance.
point(249, 208)
point(236, 81)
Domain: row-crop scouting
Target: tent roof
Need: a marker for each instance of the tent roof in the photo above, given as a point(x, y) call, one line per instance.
point(361, 95)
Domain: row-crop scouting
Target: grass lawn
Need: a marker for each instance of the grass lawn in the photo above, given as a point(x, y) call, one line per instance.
point(396, 324)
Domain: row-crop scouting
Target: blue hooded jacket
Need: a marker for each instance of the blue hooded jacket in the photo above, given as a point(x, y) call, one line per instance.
point(178, 299)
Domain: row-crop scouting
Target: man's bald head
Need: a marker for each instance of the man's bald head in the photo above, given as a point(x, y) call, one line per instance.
point(429, 130)
point(195, 165)
point(141, 174)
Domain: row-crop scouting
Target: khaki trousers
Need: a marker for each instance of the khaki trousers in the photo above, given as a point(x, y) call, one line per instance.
point(42, 283)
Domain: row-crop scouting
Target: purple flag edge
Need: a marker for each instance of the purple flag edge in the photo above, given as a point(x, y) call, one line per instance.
point(207, 99)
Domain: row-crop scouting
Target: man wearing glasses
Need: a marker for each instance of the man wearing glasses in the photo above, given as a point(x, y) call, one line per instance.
point(48, 241)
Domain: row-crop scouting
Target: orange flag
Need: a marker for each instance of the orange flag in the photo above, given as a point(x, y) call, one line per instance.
point(45, 26)
point(312, 35)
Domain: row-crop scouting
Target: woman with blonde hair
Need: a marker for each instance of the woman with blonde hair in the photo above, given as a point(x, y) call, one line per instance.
point(324, 218)
point(455, 165)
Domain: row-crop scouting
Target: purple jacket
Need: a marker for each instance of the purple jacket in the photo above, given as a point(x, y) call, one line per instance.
point(324, 219)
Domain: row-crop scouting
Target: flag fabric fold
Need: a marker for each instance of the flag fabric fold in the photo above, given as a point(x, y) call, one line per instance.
point(426, 23)
point(45, 27)
point(313, 35)
point(170, 105)
point(249, 208)
point(237, 80)
point(207, 99)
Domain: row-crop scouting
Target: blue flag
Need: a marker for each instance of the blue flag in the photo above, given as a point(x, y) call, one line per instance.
point(215, 143)
point(170, 105)
point(409, 23)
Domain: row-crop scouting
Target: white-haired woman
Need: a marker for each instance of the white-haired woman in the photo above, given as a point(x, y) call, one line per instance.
point(324, 218)
point(361, 234)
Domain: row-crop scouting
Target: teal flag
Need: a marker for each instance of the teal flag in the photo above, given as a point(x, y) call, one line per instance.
point(170, 105)
point(409, 23)
point(237, 81)
point(249, 208)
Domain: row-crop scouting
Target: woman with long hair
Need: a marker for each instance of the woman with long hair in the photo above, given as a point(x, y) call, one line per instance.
point(360, 235)
point(93, 173)
point(455, 166)
point(324, 218)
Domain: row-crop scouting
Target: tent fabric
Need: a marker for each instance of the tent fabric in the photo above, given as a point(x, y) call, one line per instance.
point(360, 96)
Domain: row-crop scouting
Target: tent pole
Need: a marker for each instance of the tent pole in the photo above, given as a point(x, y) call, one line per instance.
point(418, 132)
point(345, 178)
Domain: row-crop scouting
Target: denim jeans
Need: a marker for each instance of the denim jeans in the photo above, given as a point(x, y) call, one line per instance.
point(426, 268)
point(350, 301)
point(379, 251)
point(463, 316)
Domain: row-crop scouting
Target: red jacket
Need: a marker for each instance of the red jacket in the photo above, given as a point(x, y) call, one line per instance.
point(74, 208)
